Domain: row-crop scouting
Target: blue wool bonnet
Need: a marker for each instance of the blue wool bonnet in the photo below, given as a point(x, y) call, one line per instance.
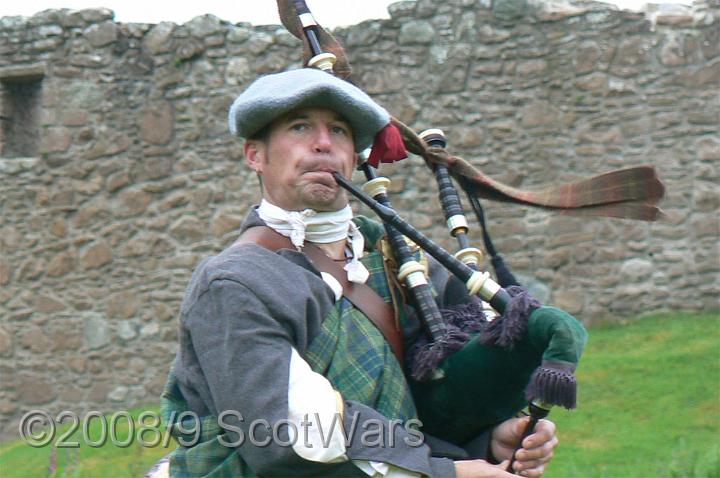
point(271, 96)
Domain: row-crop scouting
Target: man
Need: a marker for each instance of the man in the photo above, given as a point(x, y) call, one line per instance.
point(287, 377)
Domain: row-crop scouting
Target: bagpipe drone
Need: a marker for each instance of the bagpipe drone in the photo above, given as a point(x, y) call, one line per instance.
point(474, 370)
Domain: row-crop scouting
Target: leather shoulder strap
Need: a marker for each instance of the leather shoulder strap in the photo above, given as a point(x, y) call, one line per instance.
point(362, 296)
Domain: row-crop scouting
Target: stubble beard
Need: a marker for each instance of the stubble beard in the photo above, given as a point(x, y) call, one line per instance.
point(324, 199)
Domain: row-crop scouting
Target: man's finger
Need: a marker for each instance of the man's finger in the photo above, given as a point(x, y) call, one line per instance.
point(543, 433)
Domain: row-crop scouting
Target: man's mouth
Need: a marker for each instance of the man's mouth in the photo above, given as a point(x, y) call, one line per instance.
point(322, 175)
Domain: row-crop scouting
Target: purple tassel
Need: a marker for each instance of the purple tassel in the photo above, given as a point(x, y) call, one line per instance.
point(553, 383)
point(466, 317)
point(462, 322)
point(426, 357)
point(507, 329)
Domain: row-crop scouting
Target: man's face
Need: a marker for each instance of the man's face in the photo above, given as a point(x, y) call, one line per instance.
point(298, 156)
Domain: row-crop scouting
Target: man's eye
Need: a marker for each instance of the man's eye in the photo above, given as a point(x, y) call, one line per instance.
point(340, 130)
point(298, 126)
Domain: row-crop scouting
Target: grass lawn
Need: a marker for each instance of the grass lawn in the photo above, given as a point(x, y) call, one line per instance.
point(20, 460)
point(648, 402)
point(648, 406)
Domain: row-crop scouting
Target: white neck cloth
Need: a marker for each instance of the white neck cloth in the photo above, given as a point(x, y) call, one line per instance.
point(321, 228)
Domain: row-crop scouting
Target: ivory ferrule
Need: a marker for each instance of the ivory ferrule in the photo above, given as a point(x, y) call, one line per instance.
point(481, 284)
point(432, 132)
point(323, 61)
point(307, 20)
point(472, 256)
point(376, 186)
point(412, 273)
point(457, 224)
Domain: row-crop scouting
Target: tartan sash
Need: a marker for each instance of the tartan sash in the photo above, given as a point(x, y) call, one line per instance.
point(355, 357)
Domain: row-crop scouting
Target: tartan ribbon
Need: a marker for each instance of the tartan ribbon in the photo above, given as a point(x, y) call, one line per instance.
point(631, 193)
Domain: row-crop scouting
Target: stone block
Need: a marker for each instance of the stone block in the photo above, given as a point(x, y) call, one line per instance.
point(107, 143)
point(126, 330)
point(159, 38)
point(671, 52)
point(707, 197)
point(123, 305)
point(238, 71)
point(258, 43)
point(490, 34)
point(636, 270)
point(54, 140)
point(188, 229)
point(531, 68)
point(101, 34)
point(204, 25)
point(34, 338)
point(633, 50)
point(402, 9)
point(188, 49)
point(98, 391)
point(540, 113)
point(96, 15)
point(7, 407)
point(708, 148)
point(96, 332)
point(557, 258)
point(31, 390)
point(92, 212)
point(96, 255)
point(156, 122)
point(77, 364)
point(416, 32)
point(46, 304)
point(117, 181)
point(510, 10)
point(5, 272)
point(364, 36)
point(592, 82)
point(571, 301)
point(140, 245)
point(31, 269)
point(65, 338)
point(118, 394)
point(6, 342)
point(149, 330)
point(467, 136)
point(132, 202)
point(156, 385)
point(226, 221)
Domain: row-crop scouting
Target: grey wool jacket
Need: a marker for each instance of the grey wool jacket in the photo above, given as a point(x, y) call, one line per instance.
point(243, 312)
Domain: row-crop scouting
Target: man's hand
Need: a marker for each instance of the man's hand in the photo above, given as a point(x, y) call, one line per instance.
point(537, 448)
point(481, 469)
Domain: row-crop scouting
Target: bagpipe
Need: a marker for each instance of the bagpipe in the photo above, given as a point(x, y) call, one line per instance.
point(475, 369)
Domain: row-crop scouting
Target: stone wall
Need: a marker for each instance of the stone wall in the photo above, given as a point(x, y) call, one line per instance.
point(124, 175)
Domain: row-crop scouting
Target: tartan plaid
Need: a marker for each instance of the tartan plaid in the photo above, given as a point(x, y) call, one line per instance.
point(348, 350)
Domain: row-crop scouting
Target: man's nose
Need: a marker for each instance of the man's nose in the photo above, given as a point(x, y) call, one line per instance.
point(323, 140)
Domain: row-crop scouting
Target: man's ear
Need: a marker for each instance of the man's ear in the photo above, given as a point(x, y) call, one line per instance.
point(254, 154)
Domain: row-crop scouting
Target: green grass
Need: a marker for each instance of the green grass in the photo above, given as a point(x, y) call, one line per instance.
point(22, 461)
point(648, 402)
point(648, 406)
